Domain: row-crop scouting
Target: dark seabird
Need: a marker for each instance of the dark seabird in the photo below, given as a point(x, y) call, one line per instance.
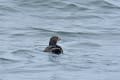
point(53, 47)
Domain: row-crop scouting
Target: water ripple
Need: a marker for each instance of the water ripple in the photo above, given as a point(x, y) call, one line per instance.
point(8, 8)
point(90, 44)
point(7, 61)
point(23, 53)
point(73, 7)
point(105, 4)
point(63, 32)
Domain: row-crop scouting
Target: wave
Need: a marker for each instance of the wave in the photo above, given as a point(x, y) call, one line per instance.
point(8, 8)
point(5, 60)
point(60, 5)
point(112, 3)
point(90, 44)
point(71, 17)
point(74, 7)
point(64, 5)
point(63, 32)
point(73, 32)
point(104, 4)
point(23, 53)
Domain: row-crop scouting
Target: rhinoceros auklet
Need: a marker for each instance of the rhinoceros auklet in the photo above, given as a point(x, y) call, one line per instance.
point(53, 47)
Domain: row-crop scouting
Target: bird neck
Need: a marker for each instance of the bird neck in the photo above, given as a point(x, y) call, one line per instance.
point(52, 43)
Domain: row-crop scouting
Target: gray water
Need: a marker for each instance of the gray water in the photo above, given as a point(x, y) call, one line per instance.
point(90, 32)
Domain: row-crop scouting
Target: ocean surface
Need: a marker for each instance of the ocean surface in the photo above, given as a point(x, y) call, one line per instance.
point(90, 33)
